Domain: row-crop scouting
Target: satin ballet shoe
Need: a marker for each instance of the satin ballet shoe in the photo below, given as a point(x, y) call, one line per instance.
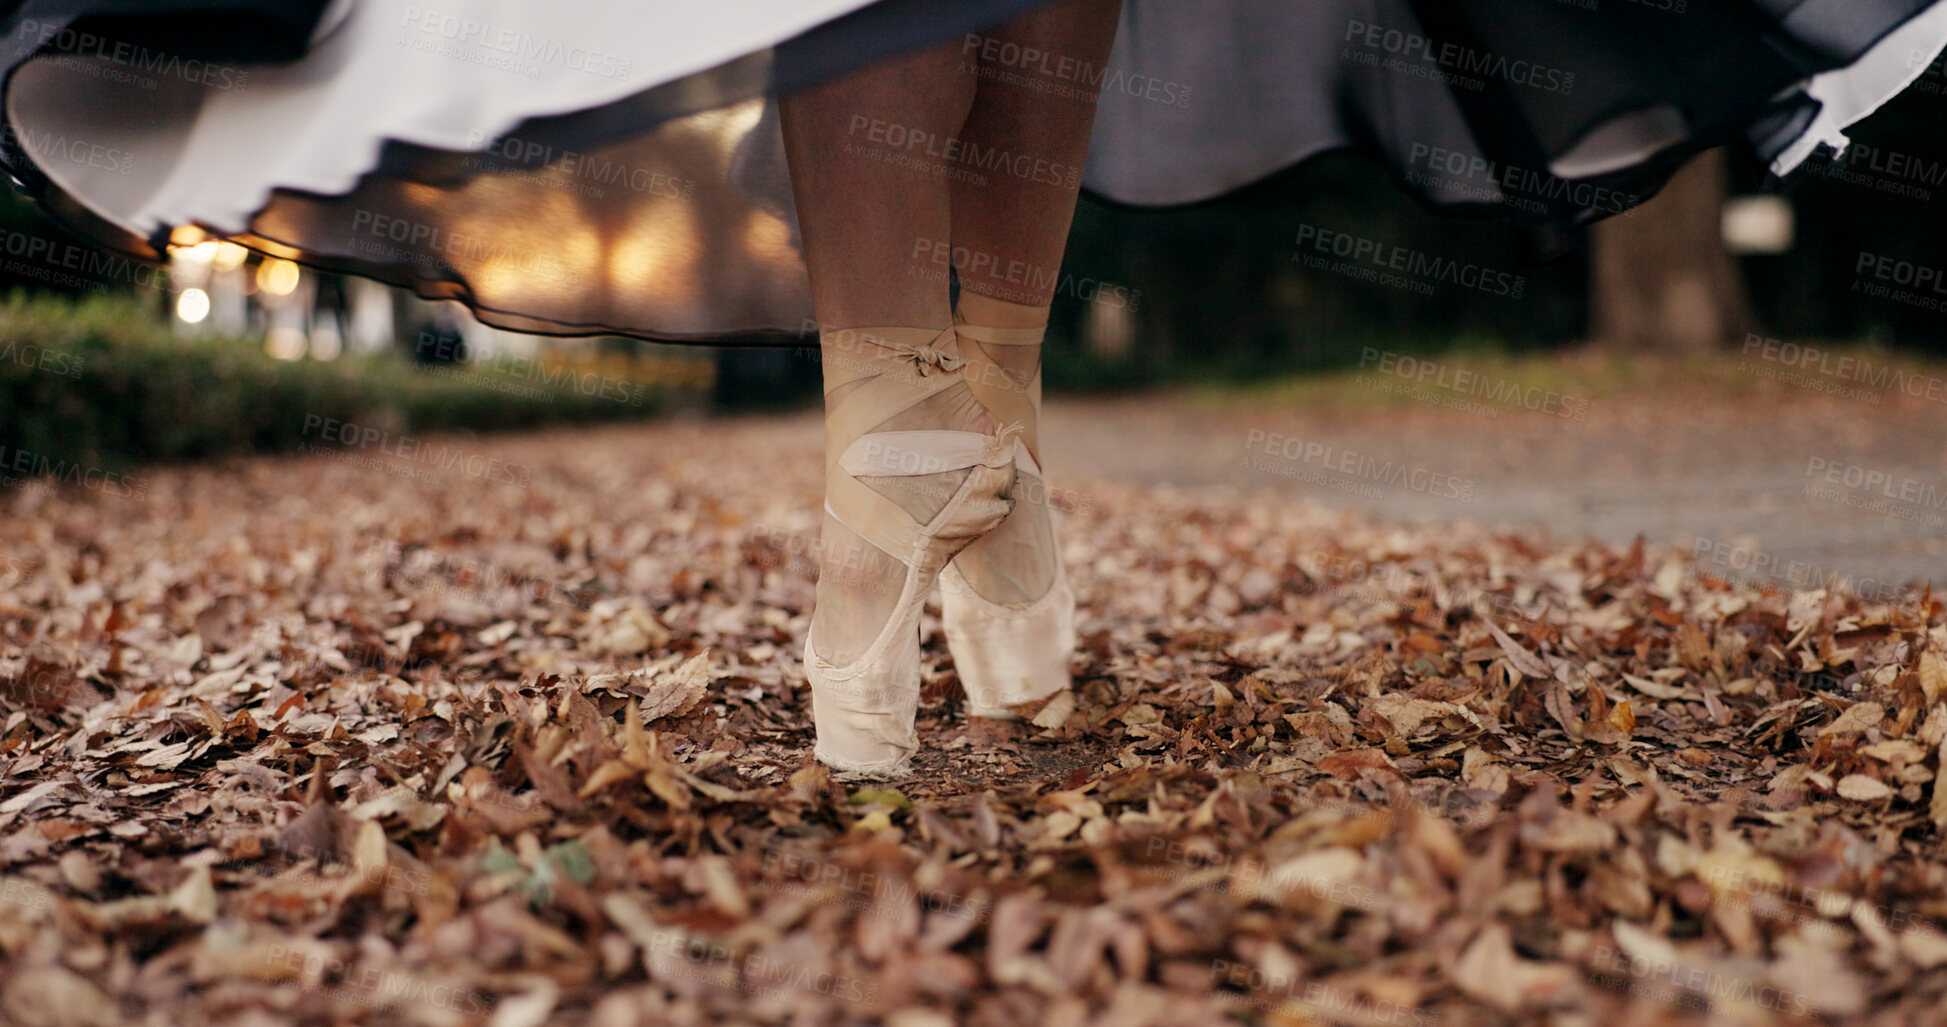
point(1008, 655)
point(1006, 607)
point(882, 479)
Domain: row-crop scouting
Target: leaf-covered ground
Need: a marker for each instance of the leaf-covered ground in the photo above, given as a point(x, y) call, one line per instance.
point(365, 741)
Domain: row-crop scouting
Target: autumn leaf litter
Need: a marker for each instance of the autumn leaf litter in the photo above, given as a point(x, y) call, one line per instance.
point(298, 742)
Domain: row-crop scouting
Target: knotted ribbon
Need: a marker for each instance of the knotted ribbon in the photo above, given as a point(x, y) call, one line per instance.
point(926, 357)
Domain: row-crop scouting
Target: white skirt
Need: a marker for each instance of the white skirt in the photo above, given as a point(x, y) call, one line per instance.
point(616, 168)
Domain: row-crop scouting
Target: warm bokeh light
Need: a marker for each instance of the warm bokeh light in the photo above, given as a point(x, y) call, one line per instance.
point(229, 256)
point(326, 343)
point(277, 277)
point(284, 343)
point(193, 306)
point(201, 253)
point(1757, 225)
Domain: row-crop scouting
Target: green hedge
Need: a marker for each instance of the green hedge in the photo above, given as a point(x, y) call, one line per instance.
point(103, 383)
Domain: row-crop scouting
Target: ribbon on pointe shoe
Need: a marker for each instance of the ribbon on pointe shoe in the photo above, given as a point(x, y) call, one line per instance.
point(864, 710)
point(931, 451)
point(1012, 652)
point(927, 357)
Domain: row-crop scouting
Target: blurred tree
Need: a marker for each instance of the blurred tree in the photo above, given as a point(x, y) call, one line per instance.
point(1660, 278)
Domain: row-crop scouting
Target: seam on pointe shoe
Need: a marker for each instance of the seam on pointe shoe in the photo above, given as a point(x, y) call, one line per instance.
point(924, 541)
point(1016, 610)
point(875, 651)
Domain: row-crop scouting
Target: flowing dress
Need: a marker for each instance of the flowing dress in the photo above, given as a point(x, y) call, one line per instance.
point(577, 167)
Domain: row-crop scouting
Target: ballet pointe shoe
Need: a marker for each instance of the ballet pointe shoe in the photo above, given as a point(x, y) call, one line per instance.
point(887, 468)
point(1006, 607)
point(1008, 655)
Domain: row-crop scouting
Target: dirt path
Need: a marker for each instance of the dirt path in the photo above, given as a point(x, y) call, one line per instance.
point(1745, 478)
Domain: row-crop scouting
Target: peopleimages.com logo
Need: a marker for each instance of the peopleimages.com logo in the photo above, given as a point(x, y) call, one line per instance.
point(413, 452)
point(51, 470)
point(1392, 264)
point(1845, 367)
point(1460, 65)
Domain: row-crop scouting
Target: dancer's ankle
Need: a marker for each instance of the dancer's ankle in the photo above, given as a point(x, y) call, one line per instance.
point(973, 308)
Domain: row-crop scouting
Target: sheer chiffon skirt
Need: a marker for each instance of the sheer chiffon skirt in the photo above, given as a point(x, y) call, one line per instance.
point(599, 168)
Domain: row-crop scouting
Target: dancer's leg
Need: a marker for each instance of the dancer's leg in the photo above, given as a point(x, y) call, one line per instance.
point(1010, 640)
point(1009, 230)
point(898, 504)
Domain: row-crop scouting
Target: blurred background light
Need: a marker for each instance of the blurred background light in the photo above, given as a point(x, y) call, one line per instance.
point(277, 277)
point(1757, 225)
point(193, 306)
point(229, 256)
point(284, 343)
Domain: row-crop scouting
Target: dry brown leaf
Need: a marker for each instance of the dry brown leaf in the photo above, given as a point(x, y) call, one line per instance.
point(1656, 689)
point(1860, 788)
point(1490, 971)
point(1406, 713)
point(1524, 661)
point(1937, 806)
point(1857, 717)
point(1933, 675)
point(662, 693)
point(1623, 718)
